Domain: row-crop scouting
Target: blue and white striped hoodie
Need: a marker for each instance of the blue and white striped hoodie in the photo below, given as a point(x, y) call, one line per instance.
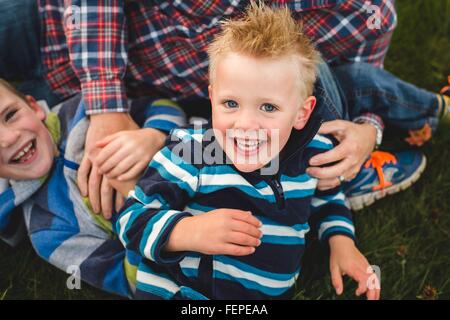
point(59, 221)
point(287, 203)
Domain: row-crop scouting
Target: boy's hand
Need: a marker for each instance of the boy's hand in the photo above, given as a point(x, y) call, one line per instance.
point(346, 259)
point(90, 181)
point(221, 231)
point(126, 154)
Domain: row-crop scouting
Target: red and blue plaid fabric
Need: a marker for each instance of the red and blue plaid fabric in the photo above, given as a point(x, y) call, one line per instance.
point(159, 47)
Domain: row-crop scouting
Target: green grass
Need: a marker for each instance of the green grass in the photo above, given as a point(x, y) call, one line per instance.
point(407, 235)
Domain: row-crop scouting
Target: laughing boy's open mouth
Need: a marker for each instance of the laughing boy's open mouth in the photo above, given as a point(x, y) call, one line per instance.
point(25, 153)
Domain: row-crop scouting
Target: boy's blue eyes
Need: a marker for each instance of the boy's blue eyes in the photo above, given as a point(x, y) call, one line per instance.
point(267, 107)
point(231, 104)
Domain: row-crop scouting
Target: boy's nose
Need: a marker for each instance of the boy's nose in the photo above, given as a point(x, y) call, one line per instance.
point(8, 137)
point(246, 121)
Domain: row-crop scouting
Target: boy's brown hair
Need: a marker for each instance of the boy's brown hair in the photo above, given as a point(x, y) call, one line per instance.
point(264, 32)
point(5, 84)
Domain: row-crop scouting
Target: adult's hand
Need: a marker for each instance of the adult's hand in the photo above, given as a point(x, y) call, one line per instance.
point(356, 142)
point(89, 179)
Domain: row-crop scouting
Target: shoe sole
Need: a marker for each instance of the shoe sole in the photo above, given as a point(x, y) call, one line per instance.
point(362, 201)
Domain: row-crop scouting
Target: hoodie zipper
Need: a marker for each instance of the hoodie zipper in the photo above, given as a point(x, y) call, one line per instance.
point(275, 183)
point(277, 189)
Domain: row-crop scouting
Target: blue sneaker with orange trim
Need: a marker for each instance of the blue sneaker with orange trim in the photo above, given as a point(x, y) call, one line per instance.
point(445, 109)
point(384, 173)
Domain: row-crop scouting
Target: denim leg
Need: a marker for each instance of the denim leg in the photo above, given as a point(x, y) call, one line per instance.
point(20, 58)
point(329, 95)
point(19, 40)
point(400, 104)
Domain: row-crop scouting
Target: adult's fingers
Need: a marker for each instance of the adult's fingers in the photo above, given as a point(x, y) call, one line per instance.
point(103, 142)
point(336, 154)
point(83, 175)
point(330, 172)
point(333, 127)
point(326, 184)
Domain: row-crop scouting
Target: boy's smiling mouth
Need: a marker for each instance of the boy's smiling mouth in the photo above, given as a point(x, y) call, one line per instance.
point(25, 154)
point(248, 146)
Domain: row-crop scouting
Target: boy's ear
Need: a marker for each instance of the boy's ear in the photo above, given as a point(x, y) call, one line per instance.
point(36, 107)
point(305, 112)
point(210, 92)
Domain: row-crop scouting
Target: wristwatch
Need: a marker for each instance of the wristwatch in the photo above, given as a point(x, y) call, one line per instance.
point(374, 120)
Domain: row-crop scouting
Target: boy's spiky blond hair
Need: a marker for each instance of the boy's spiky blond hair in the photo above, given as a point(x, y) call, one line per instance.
point(264, 32)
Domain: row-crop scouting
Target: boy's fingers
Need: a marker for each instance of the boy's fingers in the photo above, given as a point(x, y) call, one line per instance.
point(243, 239)
point(119, 201)
point(133, 173)
point(336, 280)
point(373, 294)
point(121, 167)
point(235, 250)
point(106, 198)
point(105, 154)
point(362, 283)
point(83, 175)
point(245, 216)
point(246, 228)
point(94, 183)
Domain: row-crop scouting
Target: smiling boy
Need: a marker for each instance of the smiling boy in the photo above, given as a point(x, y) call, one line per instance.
point(40, 154)
point(232, 230)
point(27, 146)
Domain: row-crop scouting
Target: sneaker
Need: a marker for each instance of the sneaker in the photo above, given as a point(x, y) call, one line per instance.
point(384, 173)
point(445, 109)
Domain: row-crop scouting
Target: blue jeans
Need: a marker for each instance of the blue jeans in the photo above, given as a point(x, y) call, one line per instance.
point(349, 90)
point(20, 58)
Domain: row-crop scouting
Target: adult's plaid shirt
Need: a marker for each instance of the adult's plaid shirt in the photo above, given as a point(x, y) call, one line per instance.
point(159, 47)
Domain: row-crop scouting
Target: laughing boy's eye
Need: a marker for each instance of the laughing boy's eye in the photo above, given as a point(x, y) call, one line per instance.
point(267, 107)
point(10, 114)
point(231, 104)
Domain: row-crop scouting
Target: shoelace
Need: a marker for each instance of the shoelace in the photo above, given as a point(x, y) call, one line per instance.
point(377, 160)
point(420, 136)
point(446, 89)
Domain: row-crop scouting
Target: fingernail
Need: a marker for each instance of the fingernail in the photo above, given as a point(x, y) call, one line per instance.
point(259, 242)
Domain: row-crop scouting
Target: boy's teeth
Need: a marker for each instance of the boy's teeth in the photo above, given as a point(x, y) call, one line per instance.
point(247, 145)
point(23, 152)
